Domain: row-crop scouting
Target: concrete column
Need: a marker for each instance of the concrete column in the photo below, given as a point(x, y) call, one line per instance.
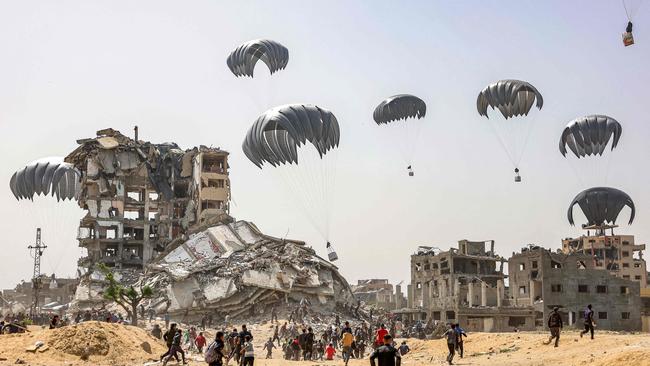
point(443, 292)
point(531, 291)
point(500, 292)
point(470, 294)
point(398, 296)
point(457, 288)
point(426, 295)
point(483, 295)
point(409, 298)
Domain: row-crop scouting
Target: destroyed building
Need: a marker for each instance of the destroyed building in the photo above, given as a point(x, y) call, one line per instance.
point(232, 268)
point(139, 196)
point(464, 285)
point(379, 293)
point(158, 214)
point(618, 254)
point(55, 293)
point(544, 280)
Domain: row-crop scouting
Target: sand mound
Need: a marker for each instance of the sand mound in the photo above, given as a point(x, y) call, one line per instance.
point(107, 340)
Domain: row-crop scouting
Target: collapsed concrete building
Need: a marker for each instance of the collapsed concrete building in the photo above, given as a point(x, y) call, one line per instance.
point(158, 214)
point(379, 293)
point(232, 268)
point(139, 196)
point(463, 285)
point(544, 280)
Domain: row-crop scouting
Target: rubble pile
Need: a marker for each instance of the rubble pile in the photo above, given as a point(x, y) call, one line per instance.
point(233, 269)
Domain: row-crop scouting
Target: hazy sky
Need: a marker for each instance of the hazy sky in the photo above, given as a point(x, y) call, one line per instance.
point(70, 68)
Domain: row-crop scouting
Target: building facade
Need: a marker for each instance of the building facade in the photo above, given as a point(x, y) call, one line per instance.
point(618, 254)
point(465, 285)
point(379, 293)
point(139, 196)
point(544, 280)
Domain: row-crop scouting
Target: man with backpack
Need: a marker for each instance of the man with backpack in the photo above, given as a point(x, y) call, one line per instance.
point(214, 353)
point(555, 325)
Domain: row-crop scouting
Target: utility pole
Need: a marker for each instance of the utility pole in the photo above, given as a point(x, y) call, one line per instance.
point(36, 279)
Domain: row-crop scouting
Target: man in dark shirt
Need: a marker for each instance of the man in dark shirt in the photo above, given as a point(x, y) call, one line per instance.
point(309, 344)
point(387, 355)
point(589, 322)
point(555, 325)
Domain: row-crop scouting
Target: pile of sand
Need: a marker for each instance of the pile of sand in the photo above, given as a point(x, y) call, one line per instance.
point(98, 342)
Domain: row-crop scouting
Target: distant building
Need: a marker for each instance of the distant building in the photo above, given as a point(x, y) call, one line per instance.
point(618, 254)
point(544, 280)
point(53, 290)
point(379, 292)
point(464, 285)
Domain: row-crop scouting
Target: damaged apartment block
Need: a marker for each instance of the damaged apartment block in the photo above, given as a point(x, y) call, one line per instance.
point(463, 285)
point(139, 196)
point(158, 214)
point(544, 280)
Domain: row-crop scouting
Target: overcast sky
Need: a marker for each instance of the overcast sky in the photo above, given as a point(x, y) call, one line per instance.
point(70, 68)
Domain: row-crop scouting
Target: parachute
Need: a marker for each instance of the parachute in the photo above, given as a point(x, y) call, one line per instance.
point(399, 107)
point(601, 205)
point(276, 135)
point(513, 98)
point(402, 107)
point(299, 142)
point(590, 135)
point(45, 175)
point(243, 59)
point(587, 138)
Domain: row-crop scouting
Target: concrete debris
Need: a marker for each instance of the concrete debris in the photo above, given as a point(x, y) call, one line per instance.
point(233, 269)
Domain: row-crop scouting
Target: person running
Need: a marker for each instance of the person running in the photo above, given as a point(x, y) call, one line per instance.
point(199, 341)
point(330, 351)
point(452, 339)
point(176, 348)
point(214, 354)
point(269, 346)
point(386, 354)
point(346, 340)
point(555, 325)
point(460, 334)
point(248, 351)
point(381, 333)
point(276, 334)
point(589, 322)
point(168, 337)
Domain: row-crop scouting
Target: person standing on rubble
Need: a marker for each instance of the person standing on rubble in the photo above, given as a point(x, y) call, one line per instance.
point(589, 322)
point(274, 314)
point(386, 354)
point(555, 325)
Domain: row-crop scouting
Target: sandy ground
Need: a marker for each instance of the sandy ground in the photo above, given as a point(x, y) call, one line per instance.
point(526, 348)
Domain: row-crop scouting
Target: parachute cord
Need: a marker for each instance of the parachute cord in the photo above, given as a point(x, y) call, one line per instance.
point(503, 144)
point(528, 133)
point(627, 13)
